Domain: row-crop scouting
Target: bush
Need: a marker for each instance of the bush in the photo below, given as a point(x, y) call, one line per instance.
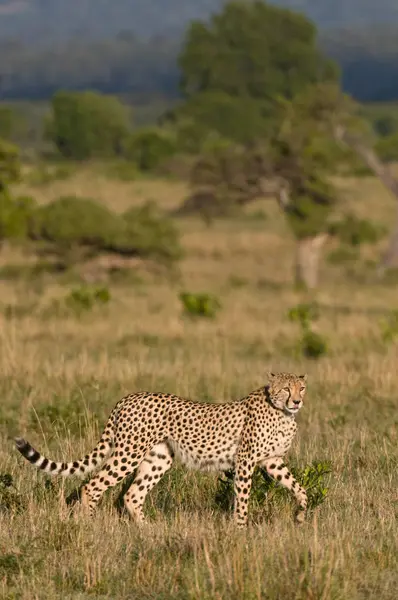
point(147, 232)
point(387, 148)
point(149, 147)
point(389, 327)
point(70, 223)
point(16, 216)
point(10, 166)
point(353, 231)
point(304, 314)
point(77, 228)
point(311, 344)
point(200, 305)
point(88, 124)
point(264, 487)
point(85, 298)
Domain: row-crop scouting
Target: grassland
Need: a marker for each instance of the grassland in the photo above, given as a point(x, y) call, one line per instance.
point(60, 376)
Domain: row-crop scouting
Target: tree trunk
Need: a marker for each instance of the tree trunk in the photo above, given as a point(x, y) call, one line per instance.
point(370, 158)
point(308, 260)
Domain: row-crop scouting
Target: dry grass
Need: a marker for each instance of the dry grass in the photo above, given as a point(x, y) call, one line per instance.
point(61, 376)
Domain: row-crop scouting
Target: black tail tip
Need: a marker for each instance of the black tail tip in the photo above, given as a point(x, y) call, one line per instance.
point(20, 443)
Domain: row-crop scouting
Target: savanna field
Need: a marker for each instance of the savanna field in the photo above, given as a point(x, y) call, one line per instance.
point(63, 371)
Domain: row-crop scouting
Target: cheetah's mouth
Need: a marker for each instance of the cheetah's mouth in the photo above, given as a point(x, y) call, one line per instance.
point(293, 409)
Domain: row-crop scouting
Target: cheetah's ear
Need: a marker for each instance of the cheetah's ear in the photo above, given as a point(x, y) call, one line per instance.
point(270, 375)
point(303, 377)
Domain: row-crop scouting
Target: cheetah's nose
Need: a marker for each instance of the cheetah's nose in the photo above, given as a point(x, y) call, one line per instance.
point(296, 402)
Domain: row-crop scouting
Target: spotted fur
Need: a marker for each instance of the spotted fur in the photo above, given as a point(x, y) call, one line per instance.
point(147, 431)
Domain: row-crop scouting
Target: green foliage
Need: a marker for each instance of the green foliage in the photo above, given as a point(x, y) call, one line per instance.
point(10, 165)
point(387, 147)
point(311, 344)
point(77, 228)
point(16, 216)
point(265, 488)
point(383, 117)
point(310, 207)
point(235, 68)
point(251, 50)
point(240, 119)
point(87, 124)
point(148, 148)
point(84, 299)
point(304, 314)
point(146, 231)
point(200, 305)
point(389, 327)
point(71, 222)
point(354, 232)
point(9, 121)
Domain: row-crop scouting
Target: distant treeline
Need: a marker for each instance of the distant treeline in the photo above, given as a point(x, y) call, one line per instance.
point(126, 65)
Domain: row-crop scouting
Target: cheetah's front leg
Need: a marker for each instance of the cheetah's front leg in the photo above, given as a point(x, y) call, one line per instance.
point(279, 471)
point(242, 486)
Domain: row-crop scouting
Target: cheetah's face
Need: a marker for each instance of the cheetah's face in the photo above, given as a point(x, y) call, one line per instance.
point(287, 391)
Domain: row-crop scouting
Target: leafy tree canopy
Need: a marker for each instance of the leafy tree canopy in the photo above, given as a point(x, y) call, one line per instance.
point(87, 124)
point(254, 50)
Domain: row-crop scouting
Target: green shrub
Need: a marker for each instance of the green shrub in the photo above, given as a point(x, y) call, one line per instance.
point(200, 305)
point(86, 298)
point(353, 231)
point(78, 301)
point(71, 221)
point(264, 487)
point(87, 124)
point(149, 233)
point(80, 227)
point(149, 147)
point(389, 327)
point(387, 147)
point(10, 165)
point(310, 344)
point(304, 314)
point(16, 216)
point(313, 345)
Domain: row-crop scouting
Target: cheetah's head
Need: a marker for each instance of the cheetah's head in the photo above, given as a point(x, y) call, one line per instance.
point(286, 391)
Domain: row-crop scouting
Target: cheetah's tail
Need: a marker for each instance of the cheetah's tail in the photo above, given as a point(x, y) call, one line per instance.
point(79, 467)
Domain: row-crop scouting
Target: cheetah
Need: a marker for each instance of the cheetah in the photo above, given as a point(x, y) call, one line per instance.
point(146, 431)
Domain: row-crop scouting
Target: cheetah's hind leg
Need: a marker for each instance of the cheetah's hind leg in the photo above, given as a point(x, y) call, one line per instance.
point(155, 464)
point(115, 469)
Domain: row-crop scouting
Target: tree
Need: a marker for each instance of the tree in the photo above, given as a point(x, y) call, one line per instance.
point(250, 54)
point(148, 147)
point(294, 165)
point(87, 124)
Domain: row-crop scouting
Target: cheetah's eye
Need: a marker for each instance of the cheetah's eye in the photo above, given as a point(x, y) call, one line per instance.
point(286, 389)
point(302, 389)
